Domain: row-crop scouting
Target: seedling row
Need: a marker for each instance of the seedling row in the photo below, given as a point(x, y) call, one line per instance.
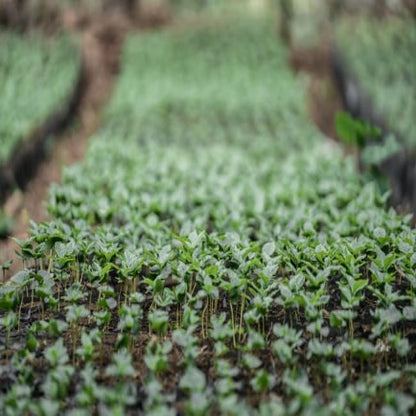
point(375, 65)
point(213, 253)
point(39, 89)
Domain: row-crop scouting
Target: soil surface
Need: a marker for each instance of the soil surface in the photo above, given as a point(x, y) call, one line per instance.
point(101, 41)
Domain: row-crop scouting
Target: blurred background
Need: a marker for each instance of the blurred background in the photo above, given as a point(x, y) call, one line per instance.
point(354, 56)
point(305, 15)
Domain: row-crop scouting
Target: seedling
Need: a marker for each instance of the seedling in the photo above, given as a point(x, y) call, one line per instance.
point(158, 320)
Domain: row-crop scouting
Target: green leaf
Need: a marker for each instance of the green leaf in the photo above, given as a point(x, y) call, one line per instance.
point(353, 131)
point(268, 249)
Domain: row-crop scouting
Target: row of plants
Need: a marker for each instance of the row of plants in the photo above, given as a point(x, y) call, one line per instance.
point(212, 254)
point(38, 75)
point(40, 90)
point(381, 56)
point(188, 6)
point(47, 15)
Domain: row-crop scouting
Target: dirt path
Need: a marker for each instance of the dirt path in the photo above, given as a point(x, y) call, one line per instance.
point(324, 100)
point(101, 44)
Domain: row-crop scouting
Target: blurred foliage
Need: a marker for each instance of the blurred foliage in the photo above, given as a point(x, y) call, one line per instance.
point(186, 7)
point(6, 224)
point(380, 55)
point(26, 14)
point(36, 77)
point(354, 131)
point(304, 21)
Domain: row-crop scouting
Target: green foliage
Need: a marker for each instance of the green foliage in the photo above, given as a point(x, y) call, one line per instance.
point(213, 253)
point(6, 224)
point(354, 132)
point(381, 55)
point(36, 75)
point(186, 7)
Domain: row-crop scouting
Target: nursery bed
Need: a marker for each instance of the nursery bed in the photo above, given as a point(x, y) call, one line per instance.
point(213, 253)
point(373, 67)
point(25, 147)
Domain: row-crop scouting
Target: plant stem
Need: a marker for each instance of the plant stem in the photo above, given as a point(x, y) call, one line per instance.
point(233, 323)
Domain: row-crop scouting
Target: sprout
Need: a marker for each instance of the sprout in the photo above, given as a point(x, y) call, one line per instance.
point(74, 294)
point(233, 405)
point(352, 291)
point(386, 318)
point(159, 321)
point(188, 342)
point(9, 322)
point(137, 297)
point(76, 312)
point(320, 349)
point(298, 385)
point(17, 400)
point(272, 407)
point(339, 318)
point(251, 361)
point(221, 329)
point(56, 354)
point(283, 351)
point(58, 379)
point(262, 381)
point(45, 407)
point(193, 380)
point(399, 344)
point(198, 404)
point(255, 340)
point(130, 317)
point(88, 341)
point(335, 374)
point(89, 393)
point(102, 317)
point(156, 357)
point(122, 365)
point(156, 401)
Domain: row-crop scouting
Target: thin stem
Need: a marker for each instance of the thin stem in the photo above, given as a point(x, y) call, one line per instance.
point(233, 323)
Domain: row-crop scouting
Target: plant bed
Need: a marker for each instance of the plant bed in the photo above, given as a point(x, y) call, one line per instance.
point(365, 102)
point(212, 254)
point(26, 138)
